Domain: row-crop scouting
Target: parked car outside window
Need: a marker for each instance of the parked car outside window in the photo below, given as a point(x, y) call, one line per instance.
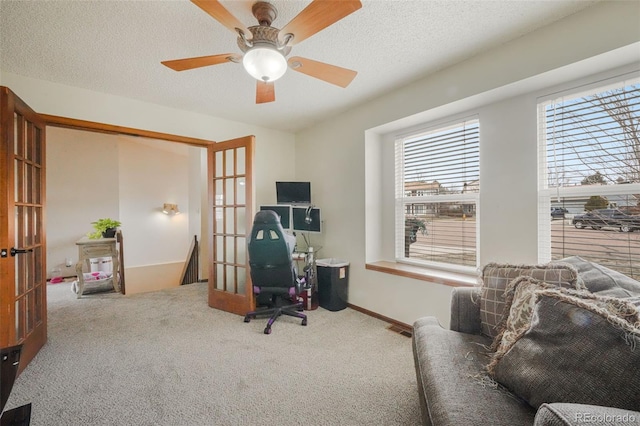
point(612, 218)
point(558, 212)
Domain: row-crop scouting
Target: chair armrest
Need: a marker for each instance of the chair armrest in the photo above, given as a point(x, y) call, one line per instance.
point(558, 413)
point(465, 310)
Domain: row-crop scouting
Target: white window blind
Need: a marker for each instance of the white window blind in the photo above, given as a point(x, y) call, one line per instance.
point(437, 190)
point(590, 167)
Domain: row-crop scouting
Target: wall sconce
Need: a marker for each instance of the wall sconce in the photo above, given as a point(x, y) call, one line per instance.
point(170, 209)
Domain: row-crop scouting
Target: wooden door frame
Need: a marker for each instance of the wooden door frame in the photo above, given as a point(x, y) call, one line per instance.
point(93, 126)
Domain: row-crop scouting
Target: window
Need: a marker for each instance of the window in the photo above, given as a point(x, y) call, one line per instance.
point(437, 190)
point(590, 167)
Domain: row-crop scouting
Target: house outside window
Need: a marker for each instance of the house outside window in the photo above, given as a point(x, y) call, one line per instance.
point(437, 193)
point(589, 176)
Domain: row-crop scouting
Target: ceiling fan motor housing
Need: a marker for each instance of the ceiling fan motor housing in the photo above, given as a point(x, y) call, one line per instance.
point(263, 35)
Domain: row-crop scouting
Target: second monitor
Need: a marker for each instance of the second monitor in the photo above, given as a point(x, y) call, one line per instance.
point(306, 219)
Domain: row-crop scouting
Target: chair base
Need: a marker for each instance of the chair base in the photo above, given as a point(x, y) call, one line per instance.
point(275, 312)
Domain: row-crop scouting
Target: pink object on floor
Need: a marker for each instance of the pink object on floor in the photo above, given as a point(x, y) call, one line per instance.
point(95, 276)
point(56, 280)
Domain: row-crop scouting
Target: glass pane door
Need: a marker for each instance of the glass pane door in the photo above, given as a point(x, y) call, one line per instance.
point(22, 237)
point(230, 182)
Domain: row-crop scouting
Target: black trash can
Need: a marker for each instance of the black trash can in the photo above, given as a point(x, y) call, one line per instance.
point(333, 283)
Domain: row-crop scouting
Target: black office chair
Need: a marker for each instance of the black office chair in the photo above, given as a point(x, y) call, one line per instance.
point(273, 271)
point(9, 362)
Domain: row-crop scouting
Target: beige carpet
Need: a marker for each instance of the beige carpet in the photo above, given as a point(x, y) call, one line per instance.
point(166, 358)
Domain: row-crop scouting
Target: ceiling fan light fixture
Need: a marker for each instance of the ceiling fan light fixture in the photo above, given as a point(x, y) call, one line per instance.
point(264, 62)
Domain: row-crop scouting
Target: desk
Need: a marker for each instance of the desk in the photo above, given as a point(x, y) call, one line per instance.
point(309, 293)
point(91, 249)
point(297, 256)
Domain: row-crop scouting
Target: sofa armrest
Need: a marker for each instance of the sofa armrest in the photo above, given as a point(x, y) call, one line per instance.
point(465, 310)
point(558, 414)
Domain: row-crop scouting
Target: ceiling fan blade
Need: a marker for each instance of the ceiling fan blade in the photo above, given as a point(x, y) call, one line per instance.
point(201, 61)
point(330, 73)
point(265, 92)
point(316, 17)
point(222, 15)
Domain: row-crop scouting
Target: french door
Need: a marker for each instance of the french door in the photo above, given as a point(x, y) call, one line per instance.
point(23, 303)
point(231, 204)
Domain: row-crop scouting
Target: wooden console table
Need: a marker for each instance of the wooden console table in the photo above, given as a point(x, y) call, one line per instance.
point(91, 249)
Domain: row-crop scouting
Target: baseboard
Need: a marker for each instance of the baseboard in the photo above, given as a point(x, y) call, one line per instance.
point(397, 326)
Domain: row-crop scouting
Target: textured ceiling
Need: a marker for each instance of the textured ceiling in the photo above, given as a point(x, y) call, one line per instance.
point(116, 47)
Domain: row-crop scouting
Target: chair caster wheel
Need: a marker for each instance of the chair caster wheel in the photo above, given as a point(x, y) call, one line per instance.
point(304, 321)
point(247, 318)
point(267, 330)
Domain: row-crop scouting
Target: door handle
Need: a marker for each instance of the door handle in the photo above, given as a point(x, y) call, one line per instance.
point(15, 251)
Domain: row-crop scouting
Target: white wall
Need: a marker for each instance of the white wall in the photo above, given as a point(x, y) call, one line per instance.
point(198, 203)
point(156, 245)
point(508, 165)
point(150, 176)
point(349, 150)
point(81, 171)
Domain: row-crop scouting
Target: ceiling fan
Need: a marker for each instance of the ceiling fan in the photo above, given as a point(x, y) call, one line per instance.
point(265, 48)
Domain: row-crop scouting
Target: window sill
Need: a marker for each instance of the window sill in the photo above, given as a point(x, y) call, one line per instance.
point(452, 279)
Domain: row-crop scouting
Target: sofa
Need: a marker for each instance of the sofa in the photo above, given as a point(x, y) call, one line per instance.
point(554, 344)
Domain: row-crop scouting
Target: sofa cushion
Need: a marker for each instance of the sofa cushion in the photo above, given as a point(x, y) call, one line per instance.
point(495, 278)
point(600, 279)
point(576, 351)
point(519, 298)
point(453, 384)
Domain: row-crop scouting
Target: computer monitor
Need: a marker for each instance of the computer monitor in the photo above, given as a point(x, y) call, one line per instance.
point(306, 219)
point(293, 192)
point(283, 211)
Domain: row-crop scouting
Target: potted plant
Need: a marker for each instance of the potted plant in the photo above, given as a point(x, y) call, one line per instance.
point(411, 227)
point(105, 228)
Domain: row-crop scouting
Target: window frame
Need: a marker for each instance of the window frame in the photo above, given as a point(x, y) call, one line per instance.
point(401, 200)
point(547, 192)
